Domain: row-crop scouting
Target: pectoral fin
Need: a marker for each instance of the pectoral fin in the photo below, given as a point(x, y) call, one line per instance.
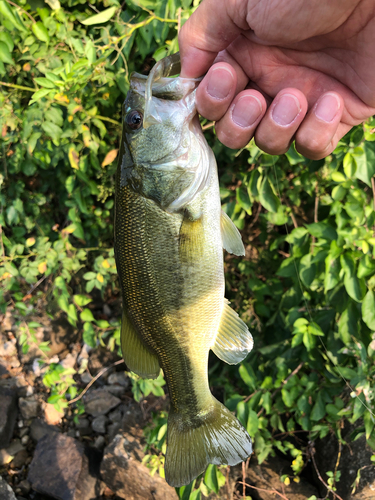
point(232, 241)
point(136, 356)
point(233, 341)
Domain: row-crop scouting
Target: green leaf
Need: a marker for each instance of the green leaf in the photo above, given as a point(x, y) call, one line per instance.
point(39, 94)
point(242, 197)
point(52, 130)
point(307, 269)
point(90, 52)
point(6, 38)
point(319, 410)
point(248, 376)
point(5, 55)
point(356, 288)
point(89, 335)
point(322, 230)
point(267, 196)
point(89, 276)
point(252, 423)
point(368, 310)
point(45, 82)
point(100, 18)
point(86, 315)
point(364, 158)
point(82, 300)
point(40, 31)
point(11, 15)
point(210, 478)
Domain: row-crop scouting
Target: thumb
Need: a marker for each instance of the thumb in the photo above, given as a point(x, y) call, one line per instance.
point(209, 30)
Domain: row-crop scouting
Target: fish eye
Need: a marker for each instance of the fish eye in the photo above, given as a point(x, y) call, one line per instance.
point(134, 119)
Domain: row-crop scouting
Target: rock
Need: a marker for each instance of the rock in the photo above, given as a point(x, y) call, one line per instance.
point(84, 427)
point(123, 472)
point(24, 487)
point(100, 358)
point(99, 402)
point(51, 415)
point(115, 415)
point(8, 321)
point(119, 378)
point(6, 492)
point(69, 361)
point(8, 415)
point(355, 455)
point(63, 469)
point(113, 429)
point(25, 440)
point(116, 390)
point(99, 424)
point(99, 442)
point(19, 460)
point(8, 348)
point(267, 477)
point(107, 310)
point(86, 378)
point(29, 407)
point(8, 454)
point(39, 429)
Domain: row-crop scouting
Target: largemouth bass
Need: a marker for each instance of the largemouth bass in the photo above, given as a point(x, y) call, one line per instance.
point(169, 238)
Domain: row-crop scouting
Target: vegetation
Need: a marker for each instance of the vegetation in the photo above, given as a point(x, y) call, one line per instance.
point(306, 287)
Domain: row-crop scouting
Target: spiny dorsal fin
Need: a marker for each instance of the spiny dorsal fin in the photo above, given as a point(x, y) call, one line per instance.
point(233, 341)
point(232, 241)
point(136, 356)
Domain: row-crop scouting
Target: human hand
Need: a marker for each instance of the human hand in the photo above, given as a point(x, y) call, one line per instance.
point(284, 70)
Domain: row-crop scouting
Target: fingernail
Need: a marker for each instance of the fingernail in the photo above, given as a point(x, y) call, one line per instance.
point(246, 111)
point(327, 107)
point(286, 109)
point(220, 83)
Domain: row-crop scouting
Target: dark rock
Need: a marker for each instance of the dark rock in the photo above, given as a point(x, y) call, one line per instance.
point(100, 358)
point(19, 460)
point(24, 486)
point(84, 427)
point(99, 442)
point(266, 477)
point(39, 429)
point(6, 492)
point(64, 469)
point(115, 415)
point(124, 473)
point(113, 430)
point(8, 415)
point(354, 456)
point(99, 402)
point(119, 378)
point(29, 407)
point(116, 390)
point(99, 424)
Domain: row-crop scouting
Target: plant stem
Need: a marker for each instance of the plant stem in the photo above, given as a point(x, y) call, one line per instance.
point(23, 10)
point(20, 87)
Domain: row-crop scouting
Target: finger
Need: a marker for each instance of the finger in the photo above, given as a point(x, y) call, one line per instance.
point(237, 126)
point(209, 30)
point(276, 130)
point(216, 91)
point(319, 133)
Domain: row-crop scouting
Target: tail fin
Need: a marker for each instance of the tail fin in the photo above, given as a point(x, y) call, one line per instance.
point(215, 438)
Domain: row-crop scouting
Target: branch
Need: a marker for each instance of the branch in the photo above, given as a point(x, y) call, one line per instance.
point(94, 380)
point(267, 491)
point(23, 10)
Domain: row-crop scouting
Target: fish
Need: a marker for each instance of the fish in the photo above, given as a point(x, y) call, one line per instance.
point(170, 232)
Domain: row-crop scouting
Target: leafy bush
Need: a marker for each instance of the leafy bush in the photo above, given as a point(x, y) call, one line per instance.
point(306, 286)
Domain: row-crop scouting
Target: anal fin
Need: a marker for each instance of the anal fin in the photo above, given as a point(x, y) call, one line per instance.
point(233, 341)
point(232, 240)
point(136, 356)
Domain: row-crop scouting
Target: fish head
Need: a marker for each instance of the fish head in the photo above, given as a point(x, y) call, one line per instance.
point(159, 149)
